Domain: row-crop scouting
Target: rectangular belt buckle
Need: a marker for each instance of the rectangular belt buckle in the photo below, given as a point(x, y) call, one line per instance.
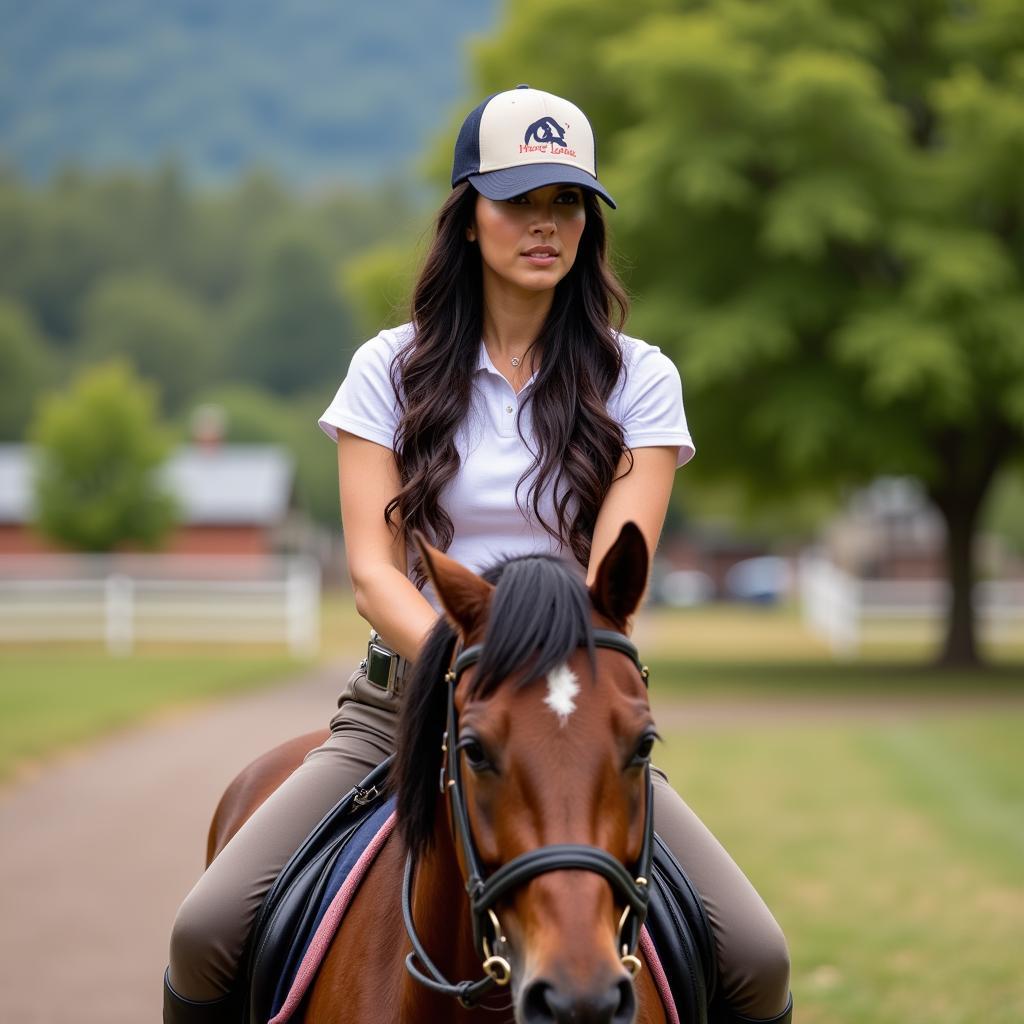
point(381, 666)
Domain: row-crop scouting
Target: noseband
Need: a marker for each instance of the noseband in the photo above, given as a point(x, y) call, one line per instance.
point(485, 892)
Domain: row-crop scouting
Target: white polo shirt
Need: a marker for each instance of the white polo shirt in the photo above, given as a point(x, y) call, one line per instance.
point(481, 499)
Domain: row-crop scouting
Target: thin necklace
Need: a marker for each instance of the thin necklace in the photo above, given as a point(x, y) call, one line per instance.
point(516, 360)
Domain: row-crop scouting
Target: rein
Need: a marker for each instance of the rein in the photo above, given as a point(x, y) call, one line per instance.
point(484, 892)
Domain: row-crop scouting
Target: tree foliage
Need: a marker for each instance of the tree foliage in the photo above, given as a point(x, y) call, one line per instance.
point(289, 322)
point(27, 367)
point(99, 449)
point(165, 334)
point(821, 215)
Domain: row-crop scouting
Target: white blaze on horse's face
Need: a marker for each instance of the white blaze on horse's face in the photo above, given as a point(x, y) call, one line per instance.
point(562, 690)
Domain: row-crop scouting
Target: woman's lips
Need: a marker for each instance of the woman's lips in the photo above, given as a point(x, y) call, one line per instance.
point(541, 257)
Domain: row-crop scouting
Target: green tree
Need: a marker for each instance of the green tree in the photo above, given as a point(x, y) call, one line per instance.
point(27, 366)
point(290, 324)
point(164, 333)
point(99, 450)
point(822, 218)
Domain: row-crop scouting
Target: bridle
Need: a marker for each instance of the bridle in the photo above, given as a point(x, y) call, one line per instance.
point(631, 886)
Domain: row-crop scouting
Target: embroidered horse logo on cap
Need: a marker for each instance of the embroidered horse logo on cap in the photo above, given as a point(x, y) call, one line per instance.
point(546, 130)
point(546, 136)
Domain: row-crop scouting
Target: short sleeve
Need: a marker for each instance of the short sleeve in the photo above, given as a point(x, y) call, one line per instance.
point(650, 402)
point(366, 404)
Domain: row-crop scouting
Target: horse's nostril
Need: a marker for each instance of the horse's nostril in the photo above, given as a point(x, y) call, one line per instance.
point(536, 1009)
point(625, 1013)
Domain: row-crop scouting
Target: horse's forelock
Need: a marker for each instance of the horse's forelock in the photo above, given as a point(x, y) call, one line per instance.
point(539, 615)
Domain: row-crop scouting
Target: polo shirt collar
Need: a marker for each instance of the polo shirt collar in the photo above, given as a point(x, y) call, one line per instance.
point(483, 361)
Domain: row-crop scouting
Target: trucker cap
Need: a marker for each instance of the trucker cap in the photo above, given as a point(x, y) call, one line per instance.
point(524, 139)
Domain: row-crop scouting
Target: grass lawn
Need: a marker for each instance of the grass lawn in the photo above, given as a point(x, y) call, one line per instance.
point(892, 855)
point(53, 698)
point(724, 650)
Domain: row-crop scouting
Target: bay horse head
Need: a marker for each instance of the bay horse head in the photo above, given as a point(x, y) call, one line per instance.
point(524, 749)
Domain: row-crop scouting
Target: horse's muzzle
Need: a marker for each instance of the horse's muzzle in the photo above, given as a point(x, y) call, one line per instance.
point(545, 1003)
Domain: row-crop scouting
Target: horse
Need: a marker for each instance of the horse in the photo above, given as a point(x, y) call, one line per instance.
point(524, 811)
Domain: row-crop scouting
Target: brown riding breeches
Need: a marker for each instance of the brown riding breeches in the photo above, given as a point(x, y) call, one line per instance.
point(213, 923)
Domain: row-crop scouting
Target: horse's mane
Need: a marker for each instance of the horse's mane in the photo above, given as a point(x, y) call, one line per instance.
point(540, 613)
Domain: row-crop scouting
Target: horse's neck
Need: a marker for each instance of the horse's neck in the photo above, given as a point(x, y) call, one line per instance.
point(441, 912)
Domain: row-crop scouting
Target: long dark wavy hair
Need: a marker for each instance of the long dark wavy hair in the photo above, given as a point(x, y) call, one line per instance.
point(578, 445)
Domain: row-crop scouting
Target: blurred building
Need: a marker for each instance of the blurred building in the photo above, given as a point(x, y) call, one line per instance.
point(233, 499)
point(885, 531)
point(890, 530)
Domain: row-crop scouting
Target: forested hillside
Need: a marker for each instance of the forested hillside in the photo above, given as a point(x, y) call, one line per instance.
point(239, 296)
point(315, 89)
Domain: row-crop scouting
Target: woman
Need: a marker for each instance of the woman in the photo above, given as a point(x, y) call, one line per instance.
point(509, 417)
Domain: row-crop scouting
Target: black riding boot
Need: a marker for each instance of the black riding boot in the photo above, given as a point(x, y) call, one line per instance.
point(721, 1014)
point(179, 1010)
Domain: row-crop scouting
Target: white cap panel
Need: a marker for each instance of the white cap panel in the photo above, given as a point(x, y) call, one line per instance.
point(528, 126)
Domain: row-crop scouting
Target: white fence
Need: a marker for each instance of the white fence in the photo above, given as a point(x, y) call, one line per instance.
point(166, 599)
point(842, 608)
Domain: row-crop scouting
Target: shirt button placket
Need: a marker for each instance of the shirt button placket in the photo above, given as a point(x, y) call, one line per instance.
point(508, 417)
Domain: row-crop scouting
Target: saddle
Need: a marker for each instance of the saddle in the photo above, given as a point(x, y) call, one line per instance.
point(297, 903)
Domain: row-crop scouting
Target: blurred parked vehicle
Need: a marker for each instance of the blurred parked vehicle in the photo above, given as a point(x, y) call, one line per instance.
point(763, 580)
point(684, 588)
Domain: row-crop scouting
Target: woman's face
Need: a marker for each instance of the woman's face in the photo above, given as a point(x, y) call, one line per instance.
point(530, 241)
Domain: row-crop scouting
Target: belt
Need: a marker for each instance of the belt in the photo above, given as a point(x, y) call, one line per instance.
point(384, 667)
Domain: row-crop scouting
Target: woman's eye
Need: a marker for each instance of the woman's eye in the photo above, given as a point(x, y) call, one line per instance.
point(518, 201)
point(569, 198)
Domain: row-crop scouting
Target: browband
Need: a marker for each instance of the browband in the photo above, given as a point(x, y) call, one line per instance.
point(608, 638)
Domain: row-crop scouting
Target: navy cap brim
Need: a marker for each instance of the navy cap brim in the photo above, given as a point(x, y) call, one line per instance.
point(514, 181)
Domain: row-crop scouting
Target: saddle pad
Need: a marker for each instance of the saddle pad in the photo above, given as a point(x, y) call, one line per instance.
point(283, 923)
point(346, 876)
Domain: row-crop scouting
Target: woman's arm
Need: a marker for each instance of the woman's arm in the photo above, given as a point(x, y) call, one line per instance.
point(641, 495)
point(367, 480)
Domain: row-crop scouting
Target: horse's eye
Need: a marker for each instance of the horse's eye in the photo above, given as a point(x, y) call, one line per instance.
point(644, 749)
point(476, 756)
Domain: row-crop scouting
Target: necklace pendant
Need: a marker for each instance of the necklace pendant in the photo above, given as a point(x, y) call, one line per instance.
point(515, 360)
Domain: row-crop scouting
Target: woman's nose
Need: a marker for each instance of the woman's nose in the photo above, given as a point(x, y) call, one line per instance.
point(544, 224)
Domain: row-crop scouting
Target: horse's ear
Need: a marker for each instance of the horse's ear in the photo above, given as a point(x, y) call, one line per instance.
point(464, 596)
point(621, 576)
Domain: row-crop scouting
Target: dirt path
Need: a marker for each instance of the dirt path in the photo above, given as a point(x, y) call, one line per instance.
point(97, 849)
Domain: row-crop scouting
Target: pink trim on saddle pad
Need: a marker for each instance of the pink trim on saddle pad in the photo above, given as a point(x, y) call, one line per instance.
point(653, 961)
point(329, 924)
point(336, 911)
